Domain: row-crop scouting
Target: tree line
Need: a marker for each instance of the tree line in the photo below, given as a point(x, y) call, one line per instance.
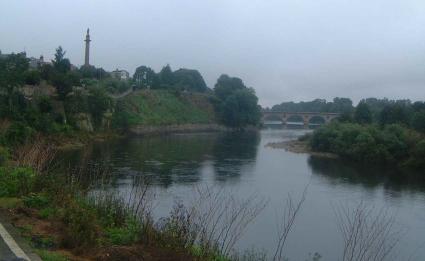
point(379, 131)
point(87, 91)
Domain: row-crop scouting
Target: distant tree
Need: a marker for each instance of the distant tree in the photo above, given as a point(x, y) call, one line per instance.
point(419, 106)
point(241, 109)
point(99, 102)
point(46, 72)
point(32, 77)
point(92, 72)
point(45, 105)
point(115, 86)
point(394, 113)
point(342, 105)
point(226, 85)
point(190, 80)
point(12, 69)
point(146, 78)
point(60, 63)
point(166, 77)
point(63, 84)
point(238, 105)
point(418, 121)
point(363, 115)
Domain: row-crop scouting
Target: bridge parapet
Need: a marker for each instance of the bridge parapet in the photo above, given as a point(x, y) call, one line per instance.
point(327, 117)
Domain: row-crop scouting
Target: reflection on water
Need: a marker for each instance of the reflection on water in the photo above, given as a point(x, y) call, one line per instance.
point(339, 172)
point(244, 164)
point(174, 158)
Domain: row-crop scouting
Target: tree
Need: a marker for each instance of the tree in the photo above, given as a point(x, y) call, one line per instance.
point(418, 121)
point(63, 83)
point(166, 76)
point(241, 109)
point(342, 105)
point(146, 78)
point(226, 85)
point(60, 63)
point(32, 77)
point(12, 69)
point(363, 115)
point(238, 105)
point(395, 113)
point(93, 72)
point(46, 72)
point(190, 80)
point(99, 102)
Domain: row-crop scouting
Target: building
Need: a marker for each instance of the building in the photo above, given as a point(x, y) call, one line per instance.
point(35, 63)
point(120, 74)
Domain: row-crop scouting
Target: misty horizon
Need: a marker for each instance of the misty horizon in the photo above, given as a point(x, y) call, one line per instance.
point(285, 51)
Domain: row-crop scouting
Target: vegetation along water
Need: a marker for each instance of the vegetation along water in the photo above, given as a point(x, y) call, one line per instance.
point(220, 194)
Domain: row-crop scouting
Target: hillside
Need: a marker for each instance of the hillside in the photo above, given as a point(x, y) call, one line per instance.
point(160, 107)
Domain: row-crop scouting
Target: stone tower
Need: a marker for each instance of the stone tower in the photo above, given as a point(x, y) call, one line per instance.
point(87, 56)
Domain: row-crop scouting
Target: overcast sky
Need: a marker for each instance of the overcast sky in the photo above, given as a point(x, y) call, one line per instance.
point(285, 49)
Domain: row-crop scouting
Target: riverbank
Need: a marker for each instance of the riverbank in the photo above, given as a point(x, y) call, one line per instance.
point(175, 128)
point(297, 146)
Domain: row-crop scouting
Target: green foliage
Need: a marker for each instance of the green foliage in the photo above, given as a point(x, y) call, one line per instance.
point(45, 104)
point(51, 256)
point(32, 77)
point(146, 78)
point(99, 103)
point(395, 113)
point(82, 229)
point(237, 104)
point(60, 63)
point(362, 114)
point(364, 143)
point(160, 107)
point(418, 120)
point(4, 155)
point(48, 212)
point(93, 72)
point(18, 133)
point(190, 80)
point(63, 83)
point(35, 200)
point(226, 86)
point(417, 159)
point(126, 235)
point(47, 72)
point(16, 181)
point(341, 105)
point(240, 109)
point(12, 69)
point(166, 77)
point(115, 86)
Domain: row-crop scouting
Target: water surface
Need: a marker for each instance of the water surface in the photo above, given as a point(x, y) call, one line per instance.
point(243, 164)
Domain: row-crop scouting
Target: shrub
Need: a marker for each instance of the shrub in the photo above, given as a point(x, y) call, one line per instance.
point(16, 182)
point(36, 201)
point(4, 155)
point(18, 133)
point(126, 235)
point(82, 229)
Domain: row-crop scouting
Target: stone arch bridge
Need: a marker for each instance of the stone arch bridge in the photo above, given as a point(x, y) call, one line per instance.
point(307, 117)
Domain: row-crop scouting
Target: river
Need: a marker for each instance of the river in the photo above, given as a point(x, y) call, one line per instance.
point(243, 164)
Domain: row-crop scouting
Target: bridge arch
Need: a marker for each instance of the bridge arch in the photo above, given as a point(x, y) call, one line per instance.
point(317, 119)
point(295, 118)
point(273, 118)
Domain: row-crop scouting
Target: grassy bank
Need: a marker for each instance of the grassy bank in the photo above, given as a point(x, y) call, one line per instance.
point(159, 107)
point(64, 220)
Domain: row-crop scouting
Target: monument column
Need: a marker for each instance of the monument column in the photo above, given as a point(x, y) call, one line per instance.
point(87, 55)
